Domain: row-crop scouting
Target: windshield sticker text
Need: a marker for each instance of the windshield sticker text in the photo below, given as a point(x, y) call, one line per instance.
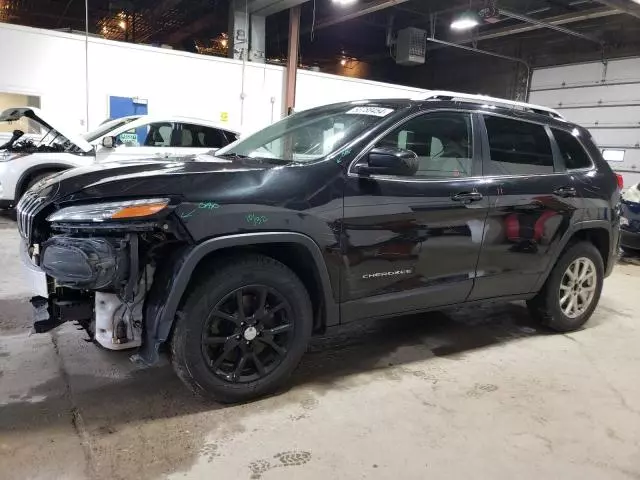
point(374, 111)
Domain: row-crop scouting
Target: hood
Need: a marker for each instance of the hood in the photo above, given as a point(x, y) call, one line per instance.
point(189, 180)
point(38, 116)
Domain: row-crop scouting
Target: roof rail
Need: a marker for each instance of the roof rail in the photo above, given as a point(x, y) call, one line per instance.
point(466, 97)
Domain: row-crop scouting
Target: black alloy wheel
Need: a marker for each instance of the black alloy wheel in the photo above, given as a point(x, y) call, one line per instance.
point(247, 334)
point(242, 329)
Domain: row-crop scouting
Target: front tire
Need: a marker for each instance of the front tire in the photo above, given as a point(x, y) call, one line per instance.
point(572, 291)
point(243, 330)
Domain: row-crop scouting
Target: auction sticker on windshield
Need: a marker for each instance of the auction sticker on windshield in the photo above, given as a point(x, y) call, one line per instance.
point(375, 111)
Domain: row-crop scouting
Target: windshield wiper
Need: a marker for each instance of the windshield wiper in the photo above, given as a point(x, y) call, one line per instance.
point(232, 155)
point(278, 161)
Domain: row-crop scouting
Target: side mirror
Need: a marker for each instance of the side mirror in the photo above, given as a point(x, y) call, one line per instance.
point(390, 161)
point(108, 142)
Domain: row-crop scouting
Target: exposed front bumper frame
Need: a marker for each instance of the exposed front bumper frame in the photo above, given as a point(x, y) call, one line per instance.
point(35, 277)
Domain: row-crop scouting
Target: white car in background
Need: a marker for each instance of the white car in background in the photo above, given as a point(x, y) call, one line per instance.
point(26, 158)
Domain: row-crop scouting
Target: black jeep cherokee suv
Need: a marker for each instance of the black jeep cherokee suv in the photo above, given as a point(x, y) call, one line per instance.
point(345, 212)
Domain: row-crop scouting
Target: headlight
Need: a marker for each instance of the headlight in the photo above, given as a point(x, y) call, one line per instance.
point(99, 212)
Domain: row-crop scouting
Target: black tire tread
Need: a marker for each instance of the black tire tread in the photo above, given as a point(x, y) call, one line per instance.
point(544, 306)
point(199, 302)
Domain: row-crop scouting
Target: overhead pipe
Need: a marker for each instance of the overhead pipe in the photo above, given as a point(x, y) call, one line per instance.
point(527, 19)
point(487, 52)
point(554, 21)
point(625, 6)
point(365, 10)
point(389, 37)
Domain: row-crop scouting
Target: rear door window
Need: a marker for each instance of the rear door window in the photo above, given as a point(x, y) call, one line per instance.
point(198, 136)
point(517, 147)
point(572, 152)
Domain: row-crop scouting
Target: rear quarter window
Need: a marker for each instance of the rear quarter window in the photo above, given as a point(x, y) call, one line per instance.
point(573, 154)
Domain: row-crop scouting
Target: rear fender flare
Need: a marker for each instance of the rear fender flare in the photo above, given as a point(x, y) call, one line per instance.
point(171, 284)
point(585, 225)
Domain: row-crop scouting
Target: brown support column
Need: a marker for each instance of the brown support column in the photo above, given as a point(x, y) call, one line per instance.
point(292, 59)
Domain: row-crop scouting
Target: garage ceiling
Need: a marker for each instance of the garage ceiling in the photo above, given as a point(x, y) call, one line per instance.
point(330, 32)
point(363, 37)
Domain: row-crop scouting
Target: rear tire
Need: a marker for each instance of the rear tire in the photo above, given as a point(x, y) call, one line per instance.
point(231, 354)
point(553, 306)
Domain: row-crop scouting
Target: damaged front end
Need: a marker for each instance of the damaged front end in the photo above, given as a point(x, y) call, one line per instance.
point(98, 264)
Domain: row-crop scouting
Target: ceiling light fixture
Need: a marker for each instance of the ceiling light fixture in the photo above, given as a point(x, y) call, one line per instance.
point(466, 21)
point(344, 3)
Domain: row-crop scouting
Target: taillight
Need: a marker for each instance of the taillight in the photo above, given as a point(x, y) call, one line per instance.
point(620, 181)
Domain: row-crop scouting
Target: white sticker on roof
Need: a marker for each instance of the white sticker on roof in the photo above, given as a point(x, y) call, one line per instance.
point(375, 111)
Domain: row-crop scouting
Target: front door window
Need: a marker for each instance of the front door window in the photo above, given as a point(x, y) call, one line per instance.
point(442, 142)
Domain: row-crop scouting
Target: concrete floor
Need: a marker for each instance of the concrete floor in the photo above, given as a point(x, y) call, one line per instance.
point(469, 393)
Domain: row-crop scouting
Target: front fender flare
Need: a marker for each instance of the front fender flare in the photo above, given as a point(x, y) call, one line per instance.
point(44, 167)
point(171, 283)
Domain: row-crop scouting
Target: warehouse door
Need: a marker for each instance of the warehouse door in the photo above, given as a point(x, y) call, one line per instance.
point(603, 97)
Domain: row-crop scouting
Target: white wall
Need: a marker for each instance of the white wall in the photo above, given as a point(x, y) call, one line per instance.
point(51, 65)
point(314, 89)
point(45, 64)
point(605, 98)
point(182, 83)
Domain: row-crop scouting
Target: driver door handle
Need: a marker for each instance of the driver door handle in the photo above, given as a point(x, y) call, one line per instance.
point(566, 192)
point(467, 197)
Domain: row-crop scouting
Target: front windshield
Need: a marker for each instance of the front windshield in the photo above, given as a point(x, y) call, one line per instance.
point(107, 127)
point(309, 135)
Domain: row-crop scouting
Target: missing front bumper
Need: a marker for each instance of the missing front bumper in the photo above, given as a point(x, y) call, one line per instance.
point(86, 263)
point(34, 276)
point(52, 312)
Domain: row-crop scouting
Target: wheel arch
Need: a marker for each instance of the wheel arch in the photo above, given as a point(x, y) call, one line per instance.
point(597, 232)
point(22, 182)
point(169, 290)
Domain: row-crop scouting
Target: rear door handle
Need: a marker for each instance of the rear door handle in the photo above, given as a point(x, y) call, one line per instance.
point(467, 197)
point(566, 192)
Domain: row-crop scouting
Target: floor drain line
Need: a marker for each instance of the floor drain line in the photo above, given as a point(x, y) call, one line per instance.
point(76, 417)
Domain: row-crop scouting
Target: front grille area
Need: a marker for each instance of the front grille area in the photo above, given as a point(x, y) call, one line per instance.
point(27, 208)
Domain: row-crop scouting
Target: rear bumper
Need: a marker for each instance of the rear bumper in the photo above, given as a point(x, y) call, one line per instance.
point(630, 239)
